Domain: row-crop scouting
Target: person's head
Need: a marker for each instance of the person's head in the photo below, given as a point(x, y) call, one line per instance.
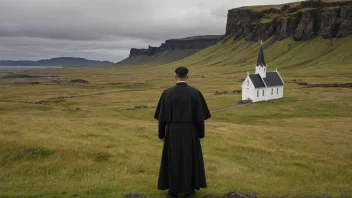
point(181, 73)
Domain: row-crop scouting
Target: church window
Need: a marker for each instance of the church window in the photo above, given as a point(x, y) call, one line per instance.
point(263, 92)
point(257, 93)
point(247, 82)
point(277, 90)
point(264, 69)
point(272, 91)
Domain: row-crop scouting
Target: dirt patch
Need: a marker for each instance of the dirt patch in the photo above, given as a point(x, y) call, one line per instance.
point(79, 81)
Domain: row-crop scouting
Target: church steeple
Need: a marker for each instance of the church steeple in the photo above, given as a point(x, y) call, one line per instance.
point(261, 65)
point(261, 60)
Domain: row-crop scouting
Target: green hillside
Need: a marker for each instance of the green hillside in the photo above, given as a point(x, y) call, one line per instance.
point(319, 57)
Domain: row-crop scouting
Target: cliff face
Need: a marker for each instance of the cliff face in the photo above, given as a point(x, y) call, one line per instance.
point(301, 21)
point(190, 43)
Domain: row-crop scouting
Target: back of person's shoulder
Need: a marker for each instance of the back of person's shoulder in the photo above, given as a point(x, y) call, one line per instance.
point(193, 89)
point(170, 89)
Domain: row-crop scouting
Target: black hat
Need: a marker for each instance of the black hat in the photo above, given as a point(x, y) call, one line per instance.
point(181, 71)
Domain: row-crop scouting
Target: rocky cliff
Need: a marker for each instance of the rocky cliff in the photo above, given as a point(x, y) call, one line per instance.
point(190, 43)
point(301, 21)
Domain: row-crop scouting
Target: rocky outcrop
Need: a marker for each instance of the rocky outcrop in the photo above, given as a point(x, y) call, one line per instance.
point(329, 21)
point(197, 42)
point(346, 25)
point(307, 27)
point(302, 21)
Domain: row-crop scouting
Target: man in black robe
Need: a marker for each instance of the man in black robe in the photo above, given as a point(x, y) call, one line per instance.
point(181, 112)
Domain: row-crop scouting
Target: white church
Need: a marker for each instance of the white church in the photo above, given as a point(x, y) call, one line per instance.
point(262, 85)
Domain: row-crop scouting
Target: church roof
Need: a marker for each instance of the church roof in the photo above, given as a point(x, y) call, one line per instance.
point(272, 79)
point(256, 80)
point(261, 60)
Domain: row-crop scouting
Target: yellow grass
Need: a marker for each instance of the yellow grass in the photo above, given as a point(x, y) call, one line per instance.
point(299, 145)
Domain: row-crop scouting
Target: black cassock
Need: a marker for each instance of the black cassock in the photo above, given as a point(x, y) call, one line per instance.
point(181, 112)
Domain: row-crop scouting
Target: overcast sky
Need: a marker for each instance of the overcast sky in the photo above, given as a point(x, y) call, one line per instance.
point(105, 29)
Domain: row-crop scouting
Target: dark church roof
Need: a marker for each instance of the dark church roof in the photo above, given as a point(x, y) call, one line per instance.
point(272, 79)
point(257, 80)
point(261, 60)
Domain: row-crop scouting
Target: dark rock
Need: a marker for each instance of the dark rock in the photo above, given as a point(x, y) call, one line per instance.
point(302, 22)
point(141, 107)
point(286, 27)
point(138, 52)
point(285, 7)
point(346, 12)
point(346, 85)
point(35, 83)
point(218, 93)
point(237, 91)
point(212, 196)
point(345, 29)
point(79, 81)
point(294, 9)
point(71, 109)
point(312, 4)
point(239, 195)
point(263, 31)
point(197, 42)
point(306, 28)
point(240, 22)
point(302, 83)
point(328, 23)
point(132, 195)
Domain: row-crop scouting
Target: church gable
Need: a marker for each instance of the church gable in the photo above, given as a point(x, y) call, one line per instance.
point(247, 83)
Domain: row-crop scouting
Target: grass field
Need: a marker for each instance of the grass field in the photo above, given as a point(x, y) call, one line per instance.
point(95, 144)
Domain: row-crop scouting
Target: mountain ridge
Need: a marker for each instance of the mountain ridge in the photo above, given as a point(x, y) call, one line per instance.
point(171, 50)
point(57, 61)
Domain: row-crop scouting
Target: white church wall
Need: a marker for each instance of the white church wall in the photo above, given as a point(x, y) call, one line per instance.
point(277, 93)
point(247, 89)
point(274, 93)
point(258, 95)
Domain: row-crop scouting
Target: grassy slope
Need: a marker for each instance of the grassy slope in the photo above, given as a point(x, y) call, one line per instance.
point(298, 145)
